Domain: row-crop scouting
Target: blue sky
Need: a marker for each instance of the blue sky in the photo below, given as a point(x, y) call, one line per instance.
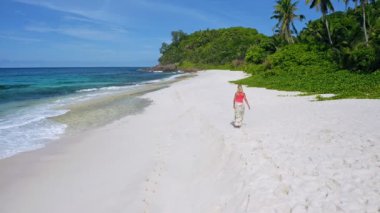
point(37, 33)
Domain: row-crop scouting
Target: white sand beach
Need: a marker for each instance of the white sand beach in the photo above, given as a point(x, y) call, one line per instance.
point(182, 154)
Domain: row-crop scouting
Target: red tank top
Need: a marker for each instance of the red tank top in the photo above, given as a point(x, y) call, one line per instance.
point(239, 97)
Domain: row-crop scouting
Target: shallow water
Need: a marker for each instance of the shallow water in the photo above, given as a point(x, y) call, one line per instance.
point(38, 105)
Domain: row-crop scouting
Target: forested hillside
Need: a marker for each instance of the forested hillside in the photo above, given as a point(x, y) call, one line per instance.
point(215, 47)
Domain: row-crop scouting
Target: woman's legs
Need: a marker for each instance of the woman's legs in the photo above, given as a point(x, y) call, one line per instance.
point(239, 114)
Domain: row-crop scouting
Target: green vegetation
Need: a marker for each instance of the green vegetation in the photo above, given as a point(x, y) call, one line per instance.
point(338, 54)
point(299, 67)
point(212, 47)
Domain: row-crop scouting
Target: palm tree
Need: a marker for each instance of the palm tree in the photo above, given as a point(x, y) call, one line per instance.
point(284, 13)
point(347, 2)
point(356, 3)
point(324, 6)
point(363, 4)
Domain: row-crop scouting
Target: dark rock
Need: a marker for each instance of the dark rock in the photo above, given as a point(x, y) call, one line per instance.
point(164, 68)
point(144, 69)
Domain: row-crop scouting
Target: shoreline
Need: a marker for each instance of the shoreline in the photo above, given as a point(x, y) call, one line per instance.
point(88, 109)
point(91, 114)
point(183, 155)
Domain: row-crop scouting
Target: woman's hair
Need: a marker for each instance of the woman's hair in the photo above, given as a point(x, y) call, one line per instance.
point(239, 87)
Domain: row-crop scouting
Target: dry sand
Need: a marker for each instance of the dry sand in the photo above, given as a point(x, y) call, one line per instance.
point(183, 155)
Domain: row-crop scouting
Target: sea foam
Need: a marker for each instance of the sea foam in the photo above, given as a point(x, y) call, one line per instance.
point(28, 129)
point(32, 127)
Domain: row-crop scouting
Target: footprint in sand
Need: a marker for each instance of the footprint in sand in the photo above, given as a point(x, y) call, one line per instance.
point(151, 187)
point(282, 190)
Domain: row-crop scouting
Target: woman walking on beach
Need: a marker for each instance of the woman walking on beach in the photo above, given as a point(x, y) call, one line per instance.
point(238, 104)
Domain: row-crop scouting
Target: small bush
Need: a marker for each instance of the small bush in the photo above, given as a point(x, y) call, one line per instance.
point(254, 68)
point(363, 59)
point(237, 63)
point(292, 56)
point(256, 55)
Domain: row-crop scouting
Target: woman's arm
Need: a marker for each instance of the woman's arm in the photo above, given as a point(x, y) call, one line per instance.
point(246, 101)
point(233, 101)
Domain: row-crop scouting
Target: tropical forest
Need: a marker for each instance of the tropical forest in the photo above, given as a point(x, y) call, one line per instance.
point(338, 54)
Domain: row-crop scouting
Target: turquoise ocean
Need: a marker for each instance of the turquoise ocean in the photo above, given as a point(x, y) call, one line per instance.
point(39, 105)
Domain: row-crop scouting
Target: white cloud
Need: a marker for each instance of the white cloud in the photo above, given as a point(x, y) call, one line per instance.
point(19, 38)
point(90, 24)
point(78, 32)
point(80, 19)
point(103, 12)
point(94, 14)
point(179, 10)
